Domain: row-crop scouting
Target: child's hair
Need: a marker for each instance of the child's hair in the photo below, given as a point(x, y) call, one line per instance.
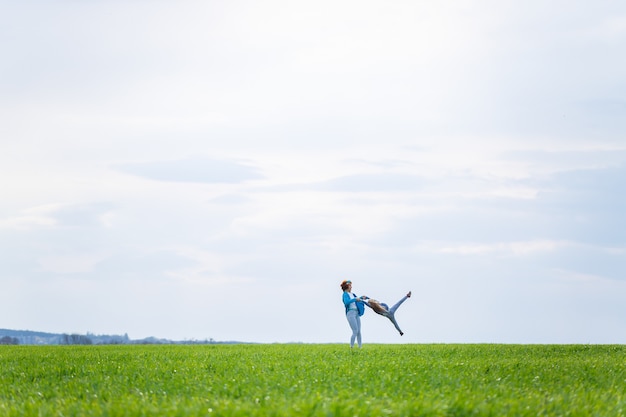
point(376, 306)
point(345, 283)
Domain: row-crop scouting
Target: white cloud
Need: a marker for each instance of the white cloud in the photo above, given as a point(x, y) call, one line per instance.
point(193, 170)
point(505, 248)
point(611, 29)
point(70, 264)
point(27, 222)
point(32, 217)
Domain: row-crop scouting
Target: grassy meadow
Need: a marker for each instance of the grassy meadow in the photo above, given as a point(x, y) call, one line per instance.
point(313, 380)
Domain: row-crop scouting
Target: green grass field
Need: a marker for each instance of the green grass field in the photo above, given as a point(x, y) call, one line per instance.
point(316, 380)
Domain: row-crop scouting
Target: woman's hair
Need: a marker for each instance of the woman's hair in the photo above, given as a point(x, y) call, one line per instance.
point(345, 284)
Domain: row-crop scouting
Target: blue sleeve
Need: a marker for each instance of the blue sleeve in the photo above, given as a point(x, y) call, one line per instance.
point(347, 299)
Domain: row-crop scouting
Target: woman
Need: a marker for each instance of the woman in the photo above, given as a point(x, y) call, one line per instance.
point(354, 311)
point(384, 310)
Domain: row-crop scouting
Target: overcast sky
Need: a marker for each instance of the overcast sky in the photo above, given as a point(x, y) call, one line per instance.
point(215, 169)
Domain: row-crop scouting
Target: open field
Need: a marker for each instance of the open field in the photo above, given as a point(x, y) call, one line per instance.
point(318, 380)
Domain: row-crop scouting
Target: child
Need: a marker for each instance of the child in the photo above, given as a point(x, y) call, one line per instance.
point(384, 310)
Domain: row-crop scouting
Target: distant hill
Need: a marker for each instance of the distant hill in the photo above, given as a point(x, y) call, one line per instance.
point(29, 337)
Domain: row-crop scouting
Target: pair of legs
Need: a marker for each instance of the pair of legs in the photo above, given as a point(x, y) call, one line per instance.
point(390, 314)
point(355, 324)
point(396, 305)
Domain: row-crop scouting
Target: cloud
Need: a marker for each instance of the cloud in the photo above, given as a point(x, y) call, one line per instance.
point(59, 215)
point(82, 215)
point(588, 260)
point(230, 199)
point(148, 265)
point(545, 162)
point(586, 205)
point(28, 219)
point(195, 170)
point(507, 248)
point(70, 264)
point(610, 30)
point(381, 182)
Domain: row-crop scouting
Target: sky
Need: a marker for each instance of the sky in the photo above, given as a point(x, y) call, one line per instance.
point(213, 170)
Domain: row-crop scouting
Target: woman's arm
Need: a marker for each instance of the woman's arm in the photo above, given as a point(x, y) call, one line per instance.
point(347, 299)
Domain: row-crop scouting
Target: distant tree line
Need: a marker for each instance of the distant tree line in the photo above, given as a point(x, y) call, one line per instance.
point(8, 340)
point(28, 337)
point(75, 339)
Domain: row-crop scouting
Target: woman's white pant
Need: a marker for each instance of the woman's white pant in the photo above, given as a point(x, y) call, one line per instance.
point(355, 325)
